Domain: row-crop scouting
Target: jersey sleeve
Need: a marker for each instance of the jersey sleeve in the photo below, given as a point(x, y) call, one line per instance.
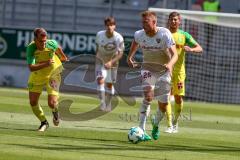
point(97, 38)
point(52, 44)
point(168, 39)
point(121, 46)
point(137, 37)
point(30, 53)
point(190, 41)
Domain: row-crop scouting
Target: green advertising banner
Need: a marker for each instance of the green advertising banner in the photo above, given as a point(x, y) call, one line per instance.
point(13, 42)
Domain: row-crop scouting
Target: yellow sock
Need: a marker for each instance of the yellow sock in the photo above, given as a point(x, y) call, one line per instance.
point(37, 110)
point(55, 109)
point(169, 114)
point(177, 111)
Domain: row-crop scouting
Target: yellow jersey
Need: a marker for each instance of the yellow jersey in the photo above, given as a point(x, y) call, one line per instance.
point(35, 56)
point(182, 39)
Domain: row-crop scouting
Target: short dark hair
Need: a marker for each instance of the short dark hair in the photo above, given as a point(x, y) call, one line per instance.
point(39, 31)
point(110, 20)
point(174, 14)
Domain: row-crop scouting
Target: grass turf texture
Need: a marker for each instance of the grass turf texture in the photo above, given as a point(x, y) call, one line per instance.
point(209, 131)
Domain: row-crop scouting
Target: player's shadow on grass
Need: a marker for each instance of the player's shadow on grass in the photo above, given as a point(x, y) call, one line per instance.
point(87, 139)
point(67, 115)
point(64, 147)
point(108, 128)
point(202, 148)
point(138, 147)
point(18, 129)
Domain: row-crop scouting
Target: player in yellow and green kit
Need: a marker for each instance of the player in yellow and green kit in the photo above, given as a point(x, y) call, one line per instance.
point(184, 43)
point(44, 58)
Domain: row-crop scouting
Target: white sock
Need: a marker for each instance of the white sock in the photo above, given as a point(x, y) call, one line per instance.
point(159, 116)
point(108, 99)
point(101, 93)
point(144, 112)
point(109, 94)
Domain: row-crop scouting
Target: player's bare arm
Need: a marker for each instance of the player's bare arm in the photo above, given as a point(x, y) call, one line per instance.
point(174, 58)
point(196, 49)
point(98, 57)
point(109, 64)
point(132, 52)
point(38, 66)
point(97, 53)
point(59, 52)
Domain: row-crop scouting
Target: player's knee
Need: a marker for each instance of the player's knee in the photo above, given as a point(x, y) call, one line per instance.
point(178, 99)
point(110, 89)
point(148, 94)
point(33, 102)
point(100, 80)
point(148, 97)
point(163, 109)
point(162, 106)
point(109, 85)
point(52, 103)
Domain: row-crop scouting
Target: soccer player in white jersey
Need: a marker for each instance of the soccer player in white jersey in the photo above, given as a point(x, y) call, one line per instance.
point(159, 56)
point(110, 47)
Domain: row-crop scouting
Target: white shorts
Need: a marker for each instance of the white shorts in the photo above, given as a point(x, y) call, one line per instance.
point(108, 75)
point(160, 83)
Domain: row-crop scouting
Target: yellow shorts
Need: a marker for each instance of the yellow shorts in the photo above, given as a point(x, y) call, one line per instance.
point(178, 85)
point(51, 86)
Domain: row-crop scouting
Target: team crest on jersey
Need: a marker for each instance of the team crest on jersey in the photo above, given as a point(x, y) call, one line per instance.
point(180, 39)
point(158, 40)
point(180, 85)
point(110, 46)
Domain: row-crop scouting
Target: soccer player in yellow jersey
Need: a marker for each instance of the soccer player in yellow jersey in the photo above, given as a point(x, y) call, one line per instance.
point(184, 43)
point(44, 58)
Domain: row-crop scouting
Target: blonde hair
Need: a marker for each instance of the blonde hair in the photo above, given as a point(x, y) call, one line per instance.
point(149, 14)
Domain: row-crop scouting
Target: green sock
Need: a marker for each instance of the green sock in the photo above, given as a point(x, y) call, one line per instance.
point(169, 114)
point(37, 110)
point(177, 111)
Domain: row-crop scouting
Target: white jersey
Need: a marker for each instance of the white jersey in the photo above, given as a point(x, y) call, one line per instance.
point(155, 49)
point(109, 47)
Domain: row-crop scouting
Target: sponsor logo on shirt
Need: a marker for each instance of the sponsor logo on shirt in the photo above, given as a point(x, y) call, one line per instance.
point(158, 40)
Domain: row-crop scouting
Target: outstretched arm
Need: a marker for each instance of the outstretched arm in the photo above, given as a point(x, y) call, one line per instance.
point(38, 66)
point(174, 58)
point(132, 52)
point(196, 49)
point(59, 52)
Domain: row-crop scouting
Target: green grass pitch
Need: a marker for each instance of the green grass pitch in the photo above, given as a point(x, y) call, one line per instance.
point(207, 132)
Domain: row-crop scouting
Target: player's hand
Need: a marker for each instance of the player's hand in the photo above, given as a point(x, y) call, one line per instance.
point(132, 63)
point(65, 59)
point(188, 49)
point(108, 65)
point(49, 62)
point(169, 68)
point(195, 50)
